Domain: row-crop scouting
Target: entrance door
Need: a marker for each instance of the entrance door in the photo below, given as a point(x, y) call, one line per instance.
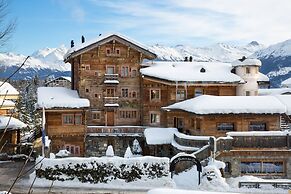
point(110, 118)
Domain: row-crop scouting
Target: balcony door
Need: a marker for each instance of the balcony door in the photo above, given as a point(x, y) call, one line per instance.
point(110, 118)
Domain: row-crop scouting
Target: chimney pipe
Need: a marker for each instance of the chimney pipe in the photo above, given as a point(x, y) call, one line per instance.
point(82, 39)
point(72, 43)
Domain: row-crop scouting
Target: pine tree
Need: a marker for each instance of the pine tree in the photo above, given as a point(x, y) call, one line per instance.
point(136, 149)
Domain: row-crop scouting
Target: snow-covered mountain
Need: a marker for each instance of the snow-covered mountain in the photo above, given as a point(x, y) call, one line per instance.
point(42, 63)
point(218, 52)
point(276, 61)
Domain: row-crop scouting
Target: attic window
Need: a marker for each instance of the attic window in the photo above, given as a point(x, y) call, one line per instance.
point(202, 70)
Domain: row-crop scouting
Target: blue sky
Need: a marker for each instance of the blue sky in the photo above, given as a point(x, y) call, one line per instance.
point(50, 23)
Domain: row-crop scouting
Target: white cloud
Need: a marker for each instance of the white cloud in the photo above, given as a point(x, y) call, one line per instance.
point(267, 21)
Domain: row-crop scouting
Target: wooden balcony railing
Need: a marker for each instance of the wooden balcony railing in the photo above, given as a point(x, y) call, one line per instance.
point(116, 130)
point(111, 101)
point(111, 79)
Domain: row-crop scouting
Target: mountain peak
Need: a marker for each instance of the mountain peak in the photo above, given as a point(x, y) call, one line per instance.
point(254, 43)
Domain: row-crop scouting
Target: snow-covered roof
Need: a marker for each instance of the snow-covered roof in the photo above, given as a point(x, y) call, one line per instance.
point(192, 72)
point(101, 38)
point(60, 97)
point(7, 87)
point(156, 136)
point(286, 100)
point(206, 104)
point(274, 91)
point(286, 82)
point(61, 77)
point(12, 123)
point(247, 62)
point(6, 103)
point(263, 78)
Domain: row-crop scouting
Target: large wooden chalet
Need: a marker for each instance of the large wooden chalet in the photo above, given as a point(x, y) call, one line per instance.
point(126, 96)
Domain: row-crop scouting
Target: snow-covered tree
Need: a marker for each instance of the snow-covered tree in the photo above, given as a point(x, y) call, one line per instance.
point(136, 149)
point(109, 151)
point(128, 153)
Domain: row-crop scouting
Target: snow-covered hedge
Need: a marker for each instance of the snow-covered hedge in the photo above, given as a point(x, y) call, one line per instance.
point(104, 169)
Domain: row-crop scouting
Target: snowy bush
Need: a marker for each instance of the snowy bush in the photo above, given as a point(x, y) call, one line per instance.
point(109, 151)
point(211, 178)
point(63, 153)
point(103, 170)
point(128, 153)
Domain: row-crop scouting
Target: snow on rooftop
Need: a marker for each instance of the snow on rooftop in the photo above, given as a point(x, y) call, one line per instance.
point(156, 136)
point(12, 123)
point(6, 103)
point(99, 38)
point(60, 97)
point(286, 83)
point(286, 100)
point(206, 104)
point(247, 62)
point(7, 87)
point(192, 71)
point(263, 78)
point(274, 91)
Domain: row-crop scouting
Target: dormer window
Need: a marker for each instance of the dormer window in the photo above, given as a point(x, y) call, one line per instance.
point(202, 70)
point(248, 70)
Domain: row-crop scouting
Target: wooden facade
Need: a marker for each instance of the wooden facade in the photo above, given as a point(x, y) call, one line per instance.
point(66, 129)
point(217, 125)
point(107, 74)
point(158, 94)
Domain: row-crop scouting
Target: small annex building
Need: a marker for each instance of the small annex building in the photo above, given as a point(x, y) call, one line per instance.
point(65, 118)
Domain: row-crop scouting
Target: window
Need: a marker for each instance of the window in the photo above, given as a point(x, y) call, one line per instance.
point(110, 92)
point(73, 149)
point(68, 119)
point(248, 70)
point(97, 73)
point(133, 73)
point(87, 67)
point(155, 118)
point(225, 126)
point(96, 115)
point(130, 114)
point(261, 167)
point(117, 51)
point(155, 94)
point(87, 90)
point(179, 123)
point(133, 94)
point(110, 70)
point(108, 51)
point(78, 119)
point(257, 126)
point(124, 93)
point(198, 92)
point(248, 93)
point(124, 71)
point(180, 95)
point(71, 119)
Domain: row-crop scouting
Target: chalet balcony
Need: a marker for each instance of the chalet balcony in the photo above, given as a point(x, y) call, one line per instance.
point(115, 130)
point(111, 79)
point(111, 101)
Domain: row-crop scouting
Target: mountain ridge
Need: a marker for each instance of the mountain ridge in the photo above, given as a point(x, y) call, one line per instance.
point(275, 58)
